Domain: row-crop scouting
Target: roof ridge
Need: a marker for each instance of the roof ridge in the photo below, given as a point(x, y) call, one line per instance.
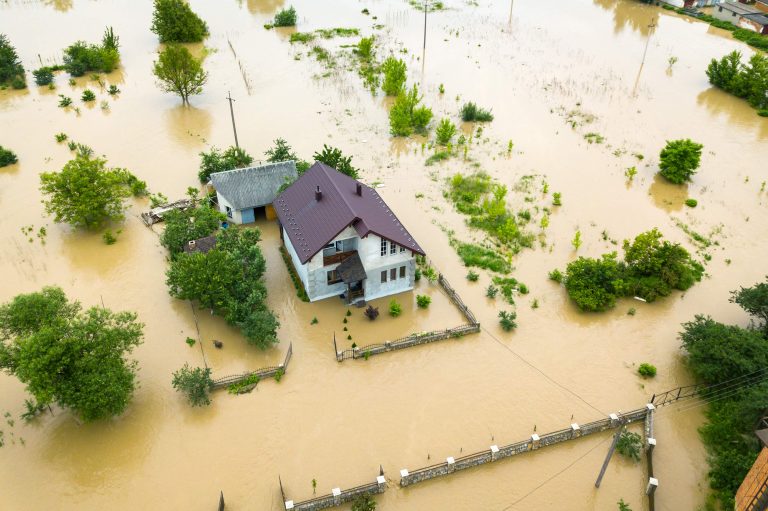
point(325, 168)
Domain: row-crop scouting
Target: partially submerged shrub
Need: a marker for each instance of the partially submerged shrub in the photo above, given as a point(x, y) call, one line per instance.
point(43, 76)
point(556, 275)
point(372, 312)
point(629, 445)
point(286, 18)
point(88, 95)
point(11, 69)
point(679, 160)
point(647, 370)
point(507, 320)
point(445, 131)
point(423, 301)
point(406, 116)
point(472, 276)
point(195, 383)
point(471, 112)
point(395, 309)
point(80, 57)
point(691, 203)
point(491, 291)
point(394, 76)
point(7, 157)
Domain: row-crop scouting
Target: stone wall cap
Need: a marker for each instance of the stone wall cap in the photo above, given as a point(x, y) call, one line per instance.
point(650, 406)
point(404, 472)
point(494, 448)
point(336, 492)
point(651, 441)
point(575, 427)
point(380, 480)
point(450, 460)
point(288, 504)
point(653, 481)
point(535, 437)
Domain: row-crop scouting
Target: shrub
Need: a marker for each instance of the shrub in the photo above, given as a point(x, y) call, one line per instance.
point(372, 312)
point(190, 341)
point(174, 22)
point(64, 101)
point(11, 69)
point(491, 291)
point(594, 284)
point(88, 95)
point(472, 276)
point(423, 301)
point(365, 48)
point(80, 57)
point(647, 370)
point(472, 112)
point(195, 383)
point(507, 320)
point(113, 90)
point(394, 76)
point(364, 502)
point(679, 160)
point(691, 203)
point(286, 18)
point(395, 309)
point(556, 199)
point(219, 161)
point(437, 157)
point(109, 238)
point(556, 275)
point(629, 445)
point(481, 257)
point(445, 132)
point(334, 158)
point(522, 288)
point(7, 157)
point(43, 76)
point(406, 116)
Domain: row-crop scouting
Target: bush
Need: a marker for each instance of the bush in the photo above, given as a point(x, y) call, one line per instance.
point(691, 203)
point(80, 57)
point(445, 132)
point(43, 76)
point(394, 76)
point(629, 445)
point(182, 227)
point(472, 276)
point(88, 95)
point(481, 257)
point(217, 161)
point(472, 112)
point(64, 101)
point(7, 157)
point(372, 312)
point(507, 320)
point(647, 370)
point(11, 69)
point(491, 291)
point(395, 309)
point(423, 301)
point(679, 160)
point(406, 116)
point(556, 275)
point(364, 502)
point(195, 383)
point(174, 22)
point(109, 238)
point(286, 18)
point(334, 158)
point(594, 284)
point(365, 48)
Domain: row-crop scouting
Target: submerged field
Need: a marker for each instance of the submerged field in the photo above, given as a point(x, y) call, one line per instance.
point(567, 86)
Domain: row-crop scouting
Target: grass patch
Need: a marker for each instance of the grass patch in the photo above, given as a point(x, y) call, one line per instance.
point(478, 256)
point(300, 291)
point(437, 157)
point(471, 112)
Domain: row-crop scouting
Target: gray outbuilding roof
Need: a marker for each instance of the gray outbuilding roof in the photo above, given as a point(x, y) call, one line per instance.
point(253, 187)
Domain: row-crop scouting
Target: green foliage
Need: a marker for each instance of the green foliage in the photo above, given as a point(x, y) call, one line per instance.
point(88, 95)
point(33, 409)
point(64, 101)
point(507, 320)
point(556, 275)
point(217, 161)
point(472, 276)
point(406, 116)
point(109, 238)
point(43, 76)
point(445, 131)
point(556, 199)
point(423, 301)
point(623, 506)
point(631, 172)
point(594, 284)
point(395, 309)
point(481, 257)
point(182, 227)
point(286, 18)
point(394, 76)
point(72, 357)
point(491, 291)
point(679, 160)
point(629, 445)
point(691, 203)
point(190, 341)
point(174, 22)
point(113, 90)
point(576, 241)
point(754, 300)
point(85, 193)
point(244, 385)
point(300, 291)
point(179, 72)
point(7, 157)
point(747, 81)
point(11, 68)
point(364, 503)
point(437, 157)
point(508, 286)
point(369, 68)
point(61, 137)
point(195, 383)
point(282, 151)
point(471, 112)
point(229, 280)
point(647, 370)
point(334, 158)
point(81, 57)
point(302, 37)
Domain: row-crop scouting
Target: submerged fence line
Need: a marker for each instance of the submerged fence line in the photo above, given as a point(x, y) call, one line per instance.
point(265, 372)
point(337, 496)
point(415, 339)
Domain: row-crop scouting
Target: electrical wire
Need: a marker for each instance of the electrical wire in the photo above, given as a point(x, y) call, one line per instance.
point(545, 375)
point(724, 395)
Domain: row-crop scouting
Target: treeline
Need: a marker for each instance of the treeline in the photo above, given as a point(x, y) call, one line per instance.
point(748, 81)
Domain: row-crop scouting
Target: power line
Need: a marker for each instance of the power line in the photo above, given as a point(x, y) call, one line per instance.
point(725, 395)
point(545, 375)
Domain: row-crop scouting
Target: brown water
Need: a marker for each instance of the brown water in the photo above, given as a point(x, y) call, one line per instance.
point(338, 422)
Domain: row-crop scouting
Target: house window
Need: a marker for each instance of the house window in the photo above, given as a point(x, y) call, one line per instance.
point(393, 274)
point(383, 247)
point(229, 212)
point(720, 9)
point(333, 277)
point(402, 272)
point(384, 277)
point(392, 249)
point(402, 249)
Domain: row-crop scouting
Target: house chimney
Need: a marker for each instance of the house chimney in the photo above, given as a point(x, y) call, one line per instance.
point(318, 193)
point(192, 244)
point(359, 189)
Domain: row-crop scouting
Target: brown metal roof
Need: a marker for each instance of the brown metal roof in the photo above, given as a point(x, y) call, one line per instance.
point(311, 224)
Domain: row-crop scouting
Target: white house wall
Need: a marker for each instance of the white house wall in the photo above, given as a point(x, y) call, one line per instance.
point(300, 268)
point(237, 218)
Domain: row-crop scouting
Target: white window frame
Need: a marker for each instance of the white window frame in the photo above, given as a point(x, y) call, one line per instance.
point(383, 247)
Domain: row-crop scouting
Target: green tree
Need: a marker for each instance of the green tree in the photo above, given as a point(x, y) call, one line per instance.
point(218, 161)
point(725, 73)
point(282, 151)
point(445, 132)
point(7, 157)
point(394, 76)
point(179, 72)
point(10, 64)
point(594, 284)
point(85, 193)
point(679, 160)
point(174, 22)
point(182, 227)
point(754, 300)
point(406, 116)
point(81, 57)
point(364, 503)
point(755, 81)
point(629, 445)
point(195, 383)
point(286, 18)
point(72, 357)
point(334, 158)
point(206, 278)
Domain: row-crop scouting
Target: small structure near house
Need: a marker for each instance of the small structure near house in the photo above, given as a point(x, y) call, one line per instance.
point(343, 239)
point(743, 16)
point(244, 194)
point(156, 214)
point(752, 495)
point(202, 245)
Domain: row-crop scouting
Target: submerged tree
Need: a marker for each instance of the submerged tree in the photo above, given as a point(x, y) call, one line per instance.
point(217, 161)
point(68, 356)
point(182, 227)
point(11, 69)
point(179, 72)
point(195, 383)
point(174, 22)
point(679, 160)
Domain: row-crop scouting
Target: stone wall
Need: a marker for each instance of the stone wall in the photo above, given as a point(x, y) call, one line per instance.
point(338, 497)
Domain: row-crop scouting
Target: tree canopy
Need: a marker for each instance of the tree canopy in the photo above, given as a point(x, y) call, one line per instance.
point(174, 22)
point(333, 157)
point(679, 160)
point(195, 383)
point(180, 72)
point(86, 193)
point(182, 227)
point(217, 161)
point(69, 356)
point(748, 81)
point(11, 69)
point(754, 300)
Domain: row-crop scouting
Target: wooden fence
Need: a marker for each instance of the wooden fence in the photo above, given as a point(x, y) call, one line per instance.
point(471, 327)
point(265, 372)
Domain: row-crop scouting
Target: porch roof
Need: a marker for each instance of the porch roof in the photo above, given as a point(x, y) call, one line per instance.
point(351, 269)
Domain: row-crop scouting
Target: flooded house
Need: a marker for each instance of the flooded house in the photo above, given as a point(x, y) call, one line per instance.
point(247, 194)
point(743, 16)
point(343, 239)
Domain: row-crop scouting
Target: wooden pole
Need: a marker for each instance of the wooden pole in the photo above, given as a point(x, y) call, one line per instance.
point(232, 114)
point(607, 458)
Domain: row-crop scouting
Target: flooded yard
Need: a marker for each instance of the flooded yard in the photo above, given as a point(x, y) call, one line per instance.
point(552, 73)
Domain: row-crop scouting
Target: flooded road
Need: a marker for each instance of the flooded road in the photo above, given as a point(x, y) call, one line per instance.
point(336, 423)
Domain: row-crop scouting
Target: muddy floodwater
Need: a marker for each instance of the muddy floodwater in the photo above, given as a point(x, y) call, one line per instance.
point(538, 65)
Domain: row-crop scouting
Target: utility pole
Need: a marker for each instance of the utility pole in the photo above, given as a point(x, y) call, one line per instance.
point(650, 33)
point(232, 114)
point(426, 8)
point(511, 8)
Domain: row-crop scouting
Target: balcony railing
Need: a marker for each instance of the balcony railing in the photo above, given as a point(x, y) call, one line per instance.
point(337, 257)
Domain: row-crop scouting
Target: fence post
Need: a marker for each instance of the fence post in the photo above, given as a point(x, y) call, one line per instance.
point(494, 452)
point(336, 492)
point(404, 477)
point(381, 483)
point(451, 464)
point(221, 501)
point(535, 442)
point(653, 483)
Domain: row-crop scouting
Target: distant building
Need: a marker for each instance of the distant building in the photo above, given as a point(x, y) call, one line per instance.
point(245, 194)
point(743, 16)
point(343, 239)
point(753, 492)
point(687, 3)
